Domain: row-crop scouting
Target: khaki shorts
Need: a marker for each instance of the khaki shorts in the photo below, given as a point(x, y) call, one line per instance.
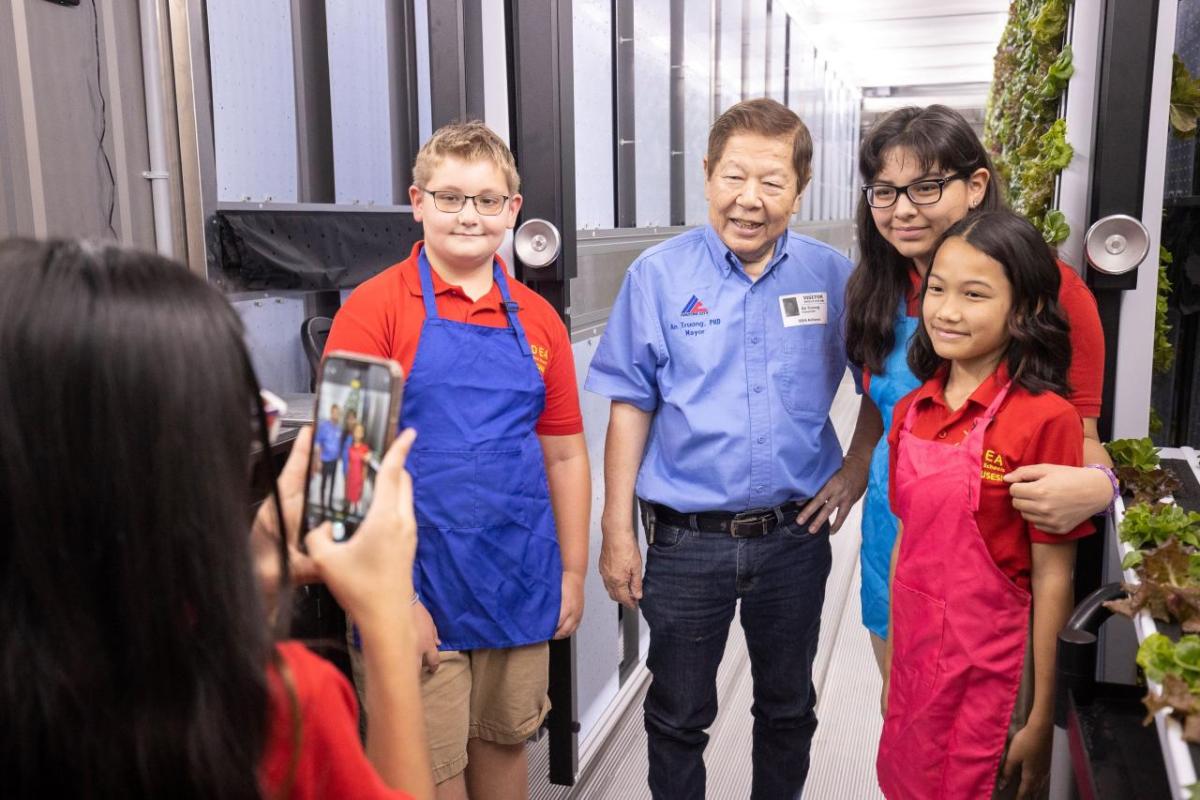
point(495, 695)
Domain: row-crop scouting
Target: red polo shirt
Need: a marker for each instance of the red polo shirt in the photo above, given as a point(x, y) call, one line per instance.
point(1086, 373)
point(384, 315)
point(1028, 429)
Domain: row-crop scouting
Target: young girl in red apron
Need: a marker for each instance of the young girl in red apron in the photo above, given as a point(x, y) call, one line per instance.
point(978, 595)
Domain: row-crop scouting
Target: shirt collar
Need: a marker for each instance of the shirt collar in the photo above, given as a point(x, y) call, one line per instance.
point(933, 391)
point(726, 261)
point(410, 273)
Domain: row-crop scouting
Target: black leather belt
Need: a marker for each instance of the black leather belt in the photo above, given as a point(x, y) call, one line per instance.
point(744, 525)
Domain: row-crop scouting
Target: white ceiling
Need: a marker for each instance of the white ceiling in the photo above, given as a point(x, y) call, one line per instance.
point(908, 43)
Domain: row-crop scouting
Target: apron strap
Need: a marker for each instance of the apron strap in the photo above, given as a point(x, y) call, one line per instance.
point(975, 442)
point(427, 295)
point(511, 307)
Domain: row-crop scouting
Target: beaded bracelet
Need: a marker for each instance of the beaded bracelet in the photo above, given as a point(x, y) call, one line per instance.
point(1112, 478)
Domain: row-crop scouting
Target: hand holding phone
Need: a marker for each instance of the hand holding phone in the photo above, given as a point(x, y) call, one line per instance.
point(357, 408)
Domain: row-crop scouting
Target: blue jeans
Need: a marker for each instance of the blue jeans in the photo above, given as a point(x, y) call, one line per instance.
point(692, 585)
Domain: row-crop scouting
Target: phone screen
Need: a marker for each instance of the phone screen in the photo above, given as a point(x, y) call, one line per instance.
point(354, 422)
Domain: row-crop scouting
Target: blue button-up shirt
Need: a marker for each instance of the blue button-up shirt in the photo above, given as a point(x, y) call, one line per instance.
point(329, 440)
point(739, 374)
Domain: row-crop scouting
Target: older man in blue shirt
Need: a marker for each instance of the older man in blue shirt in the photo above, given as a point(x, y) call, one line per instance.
point(721, 357)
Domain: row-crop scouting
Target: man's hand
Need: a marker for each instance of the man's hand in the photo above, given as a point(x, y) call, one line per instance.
point(427, 637)
point(621, 565)
point(1029, 759)
point(571, 610)
point(838, 495)
point(1055, 499)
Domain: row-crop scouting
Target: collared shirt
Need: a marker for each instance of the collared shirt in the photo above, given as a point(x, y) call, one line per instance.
point(329, 439)
point(384, 317)
point(1027, 429)
point(739, 374)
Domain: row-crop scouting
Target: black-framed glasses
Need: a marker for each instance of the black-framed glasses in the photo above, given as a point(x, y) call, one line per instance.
point(924, 192)
point(488, 205)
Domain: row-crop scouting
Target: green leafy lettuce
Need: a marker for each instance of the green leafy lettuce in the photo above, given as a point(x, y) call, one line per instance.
point(1164, 351)
point(1167, 587)
point(1185, 99)
point(1137, 453)
point(1152, 524)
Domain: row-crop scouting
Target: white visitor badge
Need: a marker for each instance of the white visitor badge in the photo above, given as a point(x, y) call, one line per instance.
point(803, 309)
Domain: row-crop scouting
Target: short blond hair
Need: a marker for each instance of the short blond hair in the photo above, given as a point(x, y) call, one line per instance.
point(469, 141)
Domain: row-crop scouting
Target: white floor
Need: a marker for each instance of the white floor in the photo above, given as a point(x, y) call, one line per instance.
point(848, 686)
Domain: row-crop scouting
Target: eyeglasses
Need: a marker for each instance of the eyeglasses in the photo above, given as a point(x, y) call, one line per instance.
point(924, 192)
point(489, 205)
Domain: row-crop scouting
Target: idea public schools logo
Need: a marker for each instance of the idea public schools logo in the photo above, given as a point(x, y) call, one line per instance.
point(694, 308)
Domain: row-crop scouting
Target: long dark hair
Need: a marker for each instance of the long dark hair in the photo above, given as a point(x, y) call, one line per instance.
point(937, 136)
point(133, 641)
point(1039, 350)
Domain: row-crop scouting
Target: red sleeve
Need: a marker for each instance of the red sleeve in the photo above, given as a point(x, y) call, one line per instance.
point(364, 323)
point(562, 415)
point(1086, 374)
point(866, 379)
point(331, 761)
point(1059, 440)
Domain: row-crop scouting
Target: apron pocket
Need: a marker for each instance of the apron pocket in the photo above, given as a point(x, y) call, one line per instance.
point(444, 488)
point(918, 623)
point(504, 489)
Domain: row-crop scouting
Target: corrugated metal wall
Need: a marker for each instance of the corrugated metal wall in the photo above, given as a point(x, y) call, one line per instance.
point(72, 122)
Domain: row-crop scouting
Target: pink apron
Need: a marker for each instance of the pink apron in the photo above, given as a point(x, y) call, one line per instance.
point(960, 629)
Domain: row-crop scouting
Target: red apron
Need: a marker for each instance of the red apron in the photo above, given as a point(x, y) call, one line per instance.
point(959, 629)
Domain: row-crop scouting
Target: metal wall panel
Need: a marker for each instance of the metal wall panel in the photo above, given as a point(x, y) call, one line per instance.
point(254, 99)
point(651, 74)
point(754, 48)
point(273, 339)
point(593, 66)
point(59, 68)
point(776, 51)
point(495, 67)
point(697, 106)
point(424, 110)
point(597, 640)
point(359, 86)
point(729, 54)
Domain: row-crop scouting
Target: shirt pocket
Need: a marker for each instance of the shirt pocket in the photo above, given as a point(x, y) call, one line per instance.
point(811, 368)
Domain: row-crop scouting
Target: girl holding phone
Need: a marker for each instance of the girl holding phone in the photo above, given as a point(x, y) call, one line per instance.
point(136, 656)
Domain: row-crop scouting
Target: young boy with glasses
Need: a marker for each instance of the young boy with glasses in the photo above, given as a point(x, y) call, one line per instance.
point(500, 470)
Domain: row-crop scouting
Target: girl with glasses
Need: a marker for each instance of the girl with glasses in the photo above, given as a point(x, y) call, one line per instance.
point(924, 170)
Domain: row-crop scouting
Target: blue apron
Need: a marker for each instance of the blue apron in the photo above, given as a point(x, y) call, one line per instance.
point(488, 566)
point(879, 524)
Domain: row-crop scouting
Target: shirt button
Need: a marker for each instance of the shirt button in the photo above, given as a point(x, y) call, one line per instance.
point(762, 440)
point(760, 488)
point(757, 388)
point(942, 435)
point(753, 340)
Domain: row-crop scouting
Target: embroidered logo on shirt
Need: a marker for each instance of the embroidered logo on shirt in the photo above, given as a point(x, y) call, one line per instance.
point(994, 467)
point(694, 308)
point(541, 356)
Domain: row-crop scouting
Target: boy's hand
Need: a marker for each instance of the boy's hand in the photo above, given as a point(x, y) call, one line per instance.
point(571, 610)
point(621, 566)
point(427, 638)
point(1028, 760)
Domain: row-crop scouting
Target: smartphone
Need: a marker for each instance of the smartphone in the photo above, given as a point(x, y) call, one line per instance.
point(358, 406)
